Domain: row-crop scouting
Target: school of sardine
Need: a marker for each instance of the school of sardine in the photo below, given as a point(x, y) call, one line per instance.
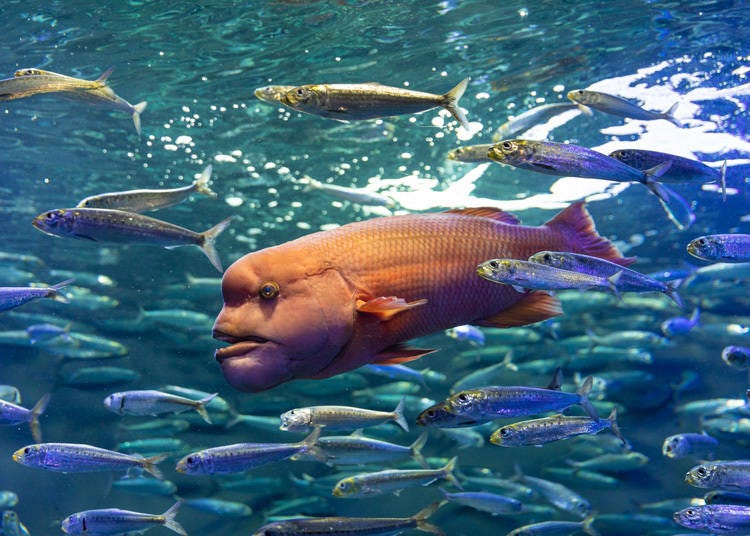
point(338, 309)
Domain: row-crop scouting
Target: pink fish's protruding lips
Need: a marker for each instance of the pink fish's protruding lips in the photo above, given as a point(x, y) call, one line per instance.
point(251, 363)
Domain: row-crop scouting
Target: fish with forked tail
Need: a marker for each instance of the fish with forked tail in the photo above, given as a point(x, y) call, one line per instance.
point(28, 82)
point(369, 101)
point(335, 300)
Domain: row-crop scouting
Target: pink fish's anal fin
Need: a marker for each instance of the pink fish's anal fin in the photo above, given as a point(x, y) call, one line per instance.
point(398, 354)
point(385, 307)
point(533, 307)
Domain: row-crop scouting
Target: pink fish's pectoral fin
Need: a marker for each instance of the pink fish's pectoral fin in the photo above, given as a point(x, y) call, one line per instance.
point(385, 307)
point(533, 307)
point(397, 354)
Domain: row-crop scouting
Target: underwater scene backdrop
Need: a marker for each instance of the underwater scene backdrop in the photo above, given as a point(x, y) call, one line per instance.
point(148, 311)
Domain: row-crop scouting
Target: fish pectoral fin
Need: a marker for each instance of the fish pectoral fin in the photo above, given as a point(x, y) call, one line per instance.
point(394, 355)
point(533, 307)
point(385, 307)
point(544, 166)
point(85, 237)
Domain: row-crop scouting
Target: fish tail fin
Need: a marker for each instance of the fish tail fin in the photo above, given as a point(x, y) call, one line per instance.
point(137, 111)
point(583, 393)
point(677, 209)
point(424, 514)
point(695, 317)
point(398, 415)
point(53, 290)
point(105, 75)
point(201, 185)
point(416, 449)
point(671, 291)
point(451, 102)
point(577, 226)
point(508, 363)
point(169, 519)
point(723, 181)
point(669, 115)
point(200, 407)
point(311, 446)
point(587, 525)
point(36, 411)
point(150, 463)
point(207, 242)
point(449, 472)
point(615, 428)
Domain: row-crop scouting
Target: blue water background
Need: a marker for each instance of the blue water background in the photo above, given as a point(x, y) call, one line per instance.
point(197, 65)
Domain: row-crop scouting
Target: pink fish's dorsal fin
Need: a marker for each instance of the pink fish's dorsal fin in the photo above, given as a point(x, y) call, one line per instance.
point(533, 307)
point(397, 354)
point(105, 75)
point(487, 212)
point(576, 222)
point(385, 307)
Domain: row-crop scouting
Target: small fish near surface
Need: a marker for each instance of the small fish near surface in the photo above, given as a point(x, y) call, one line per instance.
point(681, 170)
point(152, 402)
point(147, 200)
point(11, 413)
point(721, 248)
point(614, 105)
point(339, 418)
point(122, 227)
point(28, 82)
point(370, 101)
point(562, 159)
point(12, 297)
point(332, 301)
point(120, 522)
point(350, 526)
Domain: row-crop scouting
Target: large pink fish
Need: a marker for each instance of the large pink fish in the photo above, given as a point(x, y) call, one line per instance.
point(335, 300)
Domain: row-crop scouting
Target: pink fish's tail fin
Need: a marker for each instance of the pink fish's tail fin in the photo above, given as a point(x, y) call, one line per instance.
point(577, 226)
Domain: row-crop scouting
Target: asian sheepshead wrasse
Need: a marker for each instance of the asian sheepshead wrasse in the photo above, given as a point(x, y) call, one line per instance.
point(28, 82)
point(335, 300)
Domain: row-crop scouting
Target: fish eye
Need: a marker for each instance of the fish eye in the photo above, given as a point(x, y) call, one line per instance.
point(430, 413)
point(343, 486)
point(27, 450)
point(50, 215)
point(701, 471)
point(547, 257)
point(190, 460)
point(580, 92)
point(463, 397)
point(493, 264)
point(507, 145)
point(701, 241)
point(505, 432)
point(269, 290)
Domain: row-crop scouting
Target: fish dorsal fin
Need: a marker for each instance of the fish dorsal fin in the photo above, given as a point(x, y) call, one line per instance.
point(533, 307)
point(576, 223)
point(487, 212)
point(398, 353)
point(385, 307)
point(105, 75)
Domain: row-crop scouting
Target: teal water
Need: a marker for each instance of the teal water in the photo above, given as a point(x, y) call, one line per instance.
point(197, 66)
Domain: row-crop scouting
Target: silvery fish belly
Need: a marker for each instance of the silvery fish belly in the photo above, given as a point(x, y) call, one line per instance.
point(332, 301)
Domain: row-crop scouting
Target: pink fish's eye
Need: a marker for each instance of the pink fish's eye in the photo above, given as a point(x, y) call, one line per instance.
point(269, 290)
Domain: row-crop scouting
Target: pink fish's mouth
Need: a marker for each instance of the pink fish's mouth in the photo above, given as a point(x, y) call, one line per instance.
point(238, 346)
point(252, 363)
